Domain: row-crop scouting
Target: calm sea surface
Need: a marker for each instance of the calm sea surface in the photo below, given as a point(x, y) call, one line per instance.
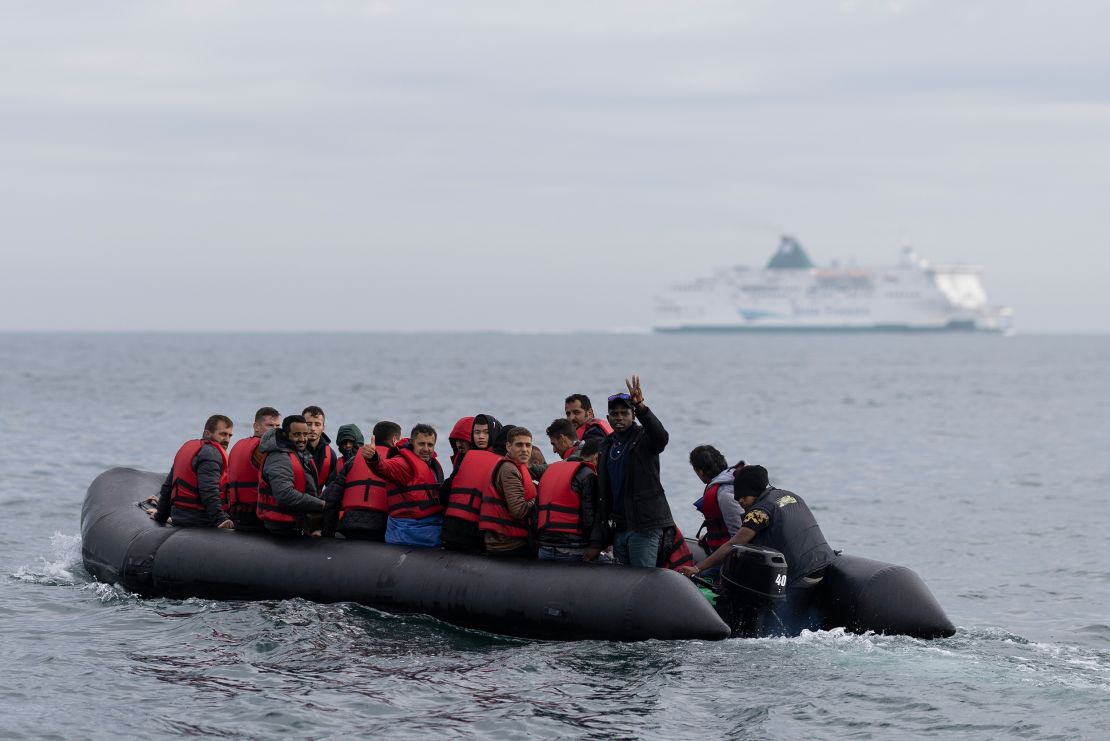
point(981, 462)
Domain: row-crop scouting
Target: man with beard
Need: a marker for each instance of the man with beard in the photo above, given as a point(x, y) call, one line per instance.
point(580, 412)
point(319, 445)
point(192, 491)
point(506, 507)
point(287, 486)
point(243, 465)
point(413, 477)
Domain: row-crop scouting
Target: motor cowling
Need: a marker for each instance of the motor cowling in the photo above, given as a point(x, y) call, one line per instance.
point(753, 584)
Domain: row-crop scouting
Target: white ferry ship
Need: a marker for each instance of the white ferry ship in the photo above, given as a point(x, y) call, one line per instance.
point(793, 294)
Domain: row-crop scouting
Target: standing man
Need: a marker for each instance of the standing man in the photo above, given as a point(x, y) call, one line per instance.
point(723, 514)
point(778, 519)
point(506, 508)
point(191, 492)
point(242, 471)
point(319, 445)
point(564, 438)
point(628, 477)
point(287, 488)
point(580, 412)
point(414, 477)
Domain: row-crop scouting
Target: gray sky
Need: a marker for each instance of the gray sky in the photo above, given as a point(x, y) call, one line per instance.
point(197, 165)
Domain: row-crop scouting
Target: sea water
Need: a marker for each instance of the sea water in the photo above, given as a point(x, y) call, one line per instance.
point(981, 462)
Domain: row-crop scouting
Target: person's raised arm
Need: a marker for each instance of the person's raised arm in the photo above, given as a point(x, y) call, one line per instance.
point(657, 436)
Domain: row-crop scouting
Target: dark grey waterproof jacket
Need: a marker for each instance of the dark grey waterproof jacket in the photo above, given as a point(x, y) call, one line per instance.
point(209, 465)
point(278, 472)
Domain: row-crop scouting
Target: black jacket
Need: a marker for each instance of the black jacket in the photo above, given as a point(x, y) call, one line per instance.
point(645, 502)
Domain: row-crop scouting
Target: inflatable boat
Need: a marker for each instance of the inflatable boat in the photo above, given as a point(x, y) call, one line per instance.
point(531, 599)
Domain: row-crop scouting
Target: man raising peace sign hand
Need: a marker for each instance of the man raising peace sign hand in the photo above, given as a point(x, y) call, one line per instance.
point(628, 478)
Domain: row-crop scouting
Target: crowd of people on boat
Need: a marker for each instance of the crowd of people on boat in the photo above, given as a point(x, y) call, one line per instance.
point(602, 501)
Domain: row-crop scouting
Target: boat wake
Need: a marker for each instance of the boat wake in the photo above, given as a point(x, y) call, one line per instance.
point(62, 568)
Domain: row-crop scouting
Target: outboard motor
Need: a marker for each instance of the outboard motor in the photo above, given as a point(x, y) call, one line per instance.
point(753, 584)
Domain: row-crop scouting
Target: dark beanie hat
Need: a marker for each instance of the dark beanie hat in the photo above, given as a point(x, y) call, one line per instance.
point(750, 481)
point(350, 432)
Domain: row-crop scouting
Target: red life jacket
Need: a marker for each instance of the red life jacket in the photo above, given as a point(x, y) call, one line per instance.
point(495, 517)
point(419, 497)
point(242, 475)
point(185, 494)
point(328, 466)
point(675, 554)
point(716, 531)
point(472, 483)
point(362, 489)
point(595, 422)
point(558, 505)
point(267, 507)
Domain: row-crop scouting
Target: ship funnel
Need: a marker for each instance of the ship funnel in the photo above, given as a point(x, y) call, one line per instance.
point(789, 255)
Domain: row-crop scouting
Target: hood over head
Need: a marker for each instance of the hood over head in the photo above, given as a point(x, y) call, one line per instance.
point(463, 430)
point(350, 432)
point(500, 443)
point(495, 429)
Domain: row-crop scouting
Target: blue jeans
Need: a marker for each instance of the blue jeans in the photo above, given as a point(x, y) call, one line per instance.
point(638, 547)
point(422, 533)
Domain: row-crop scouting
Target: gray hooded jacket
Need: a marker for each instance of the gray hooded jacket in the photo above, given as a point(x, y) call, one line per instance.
point(278, 472)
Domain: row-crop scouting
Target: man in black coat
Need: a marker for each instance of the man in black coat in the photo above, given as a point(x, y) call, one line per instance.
point(632, 495)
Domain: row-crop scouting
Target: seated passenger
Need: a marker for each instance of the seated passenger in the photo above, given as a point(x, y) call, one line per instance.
point(242, 471)
point(287, 488)
point(355, 501)
point(505, 510)
point(462, 493)
point(192, 490)
point(567, 507)
point(319, 445)
point(674, 553)
point(460, 438)
point(349, 439)
point(718, 502)
point(414, 476)
point(777, 519)
point(580, 412)
point(563, 437)
point(485, 432)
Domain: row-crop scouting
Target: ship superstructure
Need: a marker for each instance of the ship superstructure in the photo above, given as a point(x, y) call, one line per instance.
point(793, 294)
